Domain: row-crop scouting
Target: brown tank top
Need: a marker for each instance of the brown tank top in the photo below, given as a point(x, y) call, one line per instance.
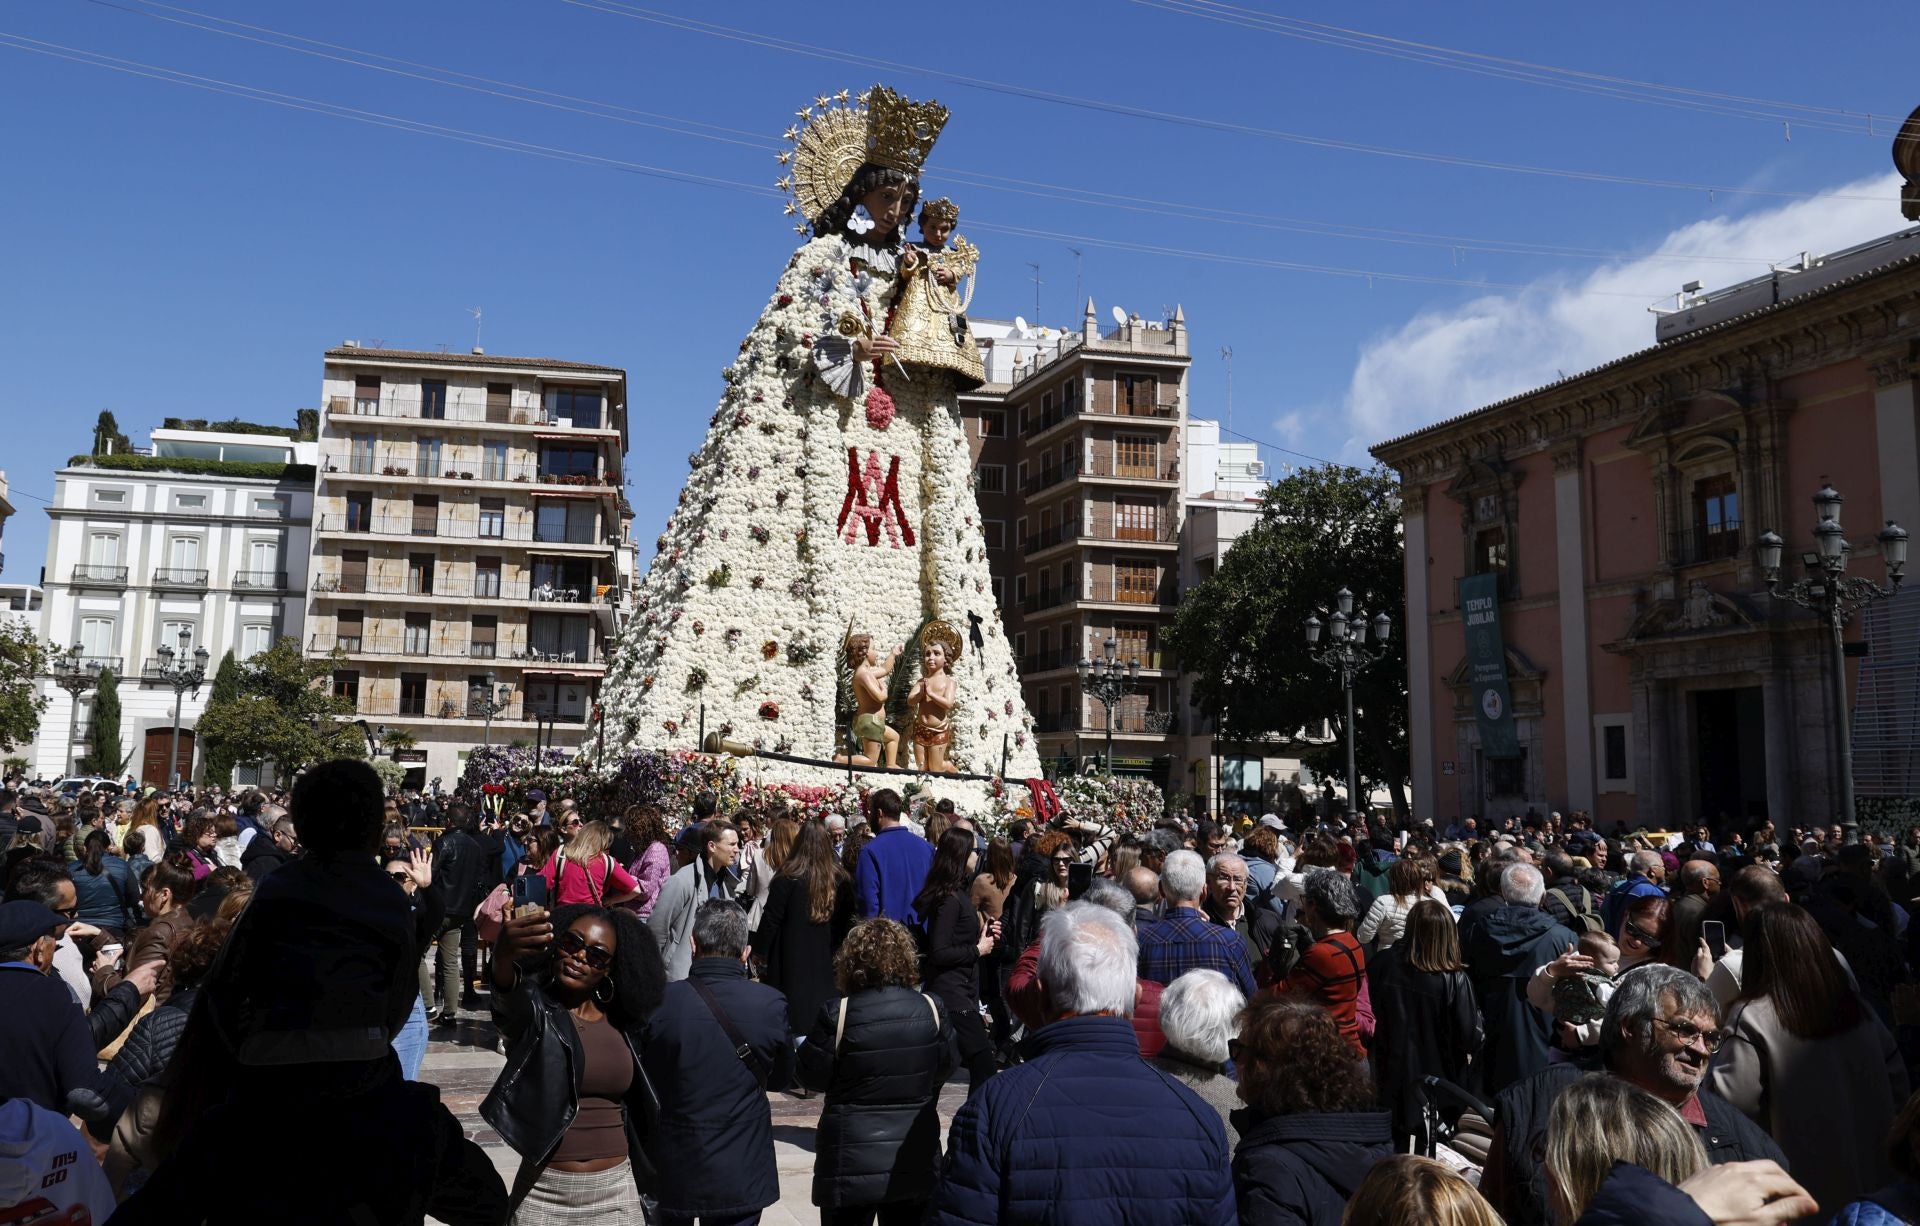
point(599, 1128)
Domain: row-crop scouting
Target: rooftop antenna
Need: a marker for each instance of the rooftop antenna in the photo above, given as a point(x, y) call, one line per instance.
point(475, 312)
point(1037, 283)
point(1226, 355)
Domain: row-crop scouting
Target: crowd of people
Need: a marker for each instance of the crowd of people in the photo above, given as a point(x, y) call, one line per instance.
point(1269, 1021)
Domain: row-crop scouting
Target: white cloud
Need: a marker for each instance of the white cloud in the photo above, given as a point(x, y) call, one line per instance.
point(1446, 362)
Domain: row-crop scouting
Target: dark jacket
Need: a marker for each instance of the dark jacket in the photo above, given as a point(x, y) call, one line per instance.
point(1515, 1180)
point(50, 1050)
point(714, 1145)
point(1635, 1196)
point(459, 865)
point(144, 1055)
point(108, 899)
point(879, 1134)
point(1020, 914)
point(1502, 955)
point(361, 1144)
point(1085, 1122)
point(798, 952)
point(1304, 1168)
point(262, 855)
point(1425, 1024)
point(1475, 914)
point(1577, 894)
point(537, 1094)
point(952, 974)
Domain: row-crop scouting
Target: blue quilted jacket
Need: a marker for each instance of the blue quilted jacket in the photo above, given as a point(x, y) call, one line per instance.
point(1086, 1132)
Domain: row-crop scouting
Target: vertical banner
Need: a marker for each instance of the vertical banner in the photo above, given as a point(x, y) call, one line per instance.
point(1487, 666)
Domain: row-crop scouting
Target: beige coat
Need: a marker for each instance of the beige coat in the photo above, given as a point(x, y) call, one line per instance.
point(1826, 1102)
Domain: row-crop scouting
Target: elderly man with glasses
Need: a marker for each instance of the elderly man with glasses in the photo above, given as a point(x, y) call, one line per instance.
point(1660, 1032)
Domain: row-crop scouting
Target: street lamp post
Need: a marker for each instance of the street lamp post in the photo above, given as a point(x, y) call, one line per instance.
point(1109, 680)
point(75, 674)
point(1347, 654)
point(1833, 596)
point(493, 701)
point(185, 675)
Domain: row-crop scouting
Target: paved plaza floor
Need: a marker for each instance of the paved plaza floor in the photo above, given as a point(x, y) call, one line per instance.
point(464, 1059)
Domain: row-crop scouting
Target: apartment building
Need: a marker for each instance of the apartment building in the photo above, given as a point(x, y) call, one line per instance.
point(1077, 444)
point(471, 554)
point(183, 545)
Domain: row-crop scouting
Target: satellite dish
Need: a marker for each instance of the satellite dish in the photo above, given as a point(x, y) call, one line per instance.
point(1020, 325)
point(1119, 316)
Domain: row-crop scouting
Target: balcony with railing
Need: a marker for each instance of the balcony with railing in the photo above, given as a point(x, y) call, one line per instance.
point(180, 579)
point(1103, 530)
point(1125, 723)
point(1700, 543)
point(460, 411)
point(1049, 476)
point(259, 580)
point(447, 466)
point(94, 574)
point(89, 664)
point(437, 587)
point(1114, 406)
point(582, 653)
point(1105, 463)
point(1049, 598)
point(449, 527)
point(1048, 661)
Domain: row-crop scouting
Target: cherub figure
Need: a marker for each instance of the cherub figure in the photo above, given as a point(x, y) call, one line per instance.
point(932, 699)
point(879, 744)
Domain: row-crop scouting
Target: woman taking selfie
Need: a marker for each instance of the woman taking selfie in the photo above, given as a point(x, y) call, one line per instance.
point(571, 992)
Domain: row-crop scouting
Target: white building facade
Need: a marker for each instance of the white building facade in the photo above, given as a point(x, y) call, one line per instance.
point(182, 545)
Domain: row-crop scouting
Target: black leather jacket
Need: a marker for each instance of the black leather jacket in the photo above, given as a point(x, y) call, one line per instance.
point(459, 863)
point(534, 1100)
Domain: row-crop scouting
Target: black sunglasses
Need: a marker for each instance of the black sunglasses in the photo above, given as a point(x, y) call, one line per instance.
point(571, 942)
point(402, 877)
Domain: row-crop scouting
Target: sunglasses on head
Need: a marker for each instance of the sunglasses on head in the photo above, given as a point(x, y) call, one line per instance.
point(571, 942)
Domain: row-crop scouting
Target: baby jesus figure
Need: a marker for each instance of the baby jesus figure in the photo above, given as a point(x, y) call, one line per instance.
point(870, 685)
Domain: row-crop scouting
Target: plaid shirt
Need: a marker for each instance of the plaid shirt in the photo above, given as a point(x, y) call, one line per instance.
point(1332, 971)
point(1186, 940)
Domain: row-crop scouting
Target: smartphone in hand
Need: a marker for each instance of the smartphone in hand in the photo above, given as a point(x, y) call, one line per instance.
point(528, 890)
point(1715, 934)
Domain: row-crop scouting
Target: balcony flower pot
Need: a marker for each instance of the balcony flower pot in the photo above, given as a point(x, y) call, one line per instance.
point(399, 472)
point(522, 479)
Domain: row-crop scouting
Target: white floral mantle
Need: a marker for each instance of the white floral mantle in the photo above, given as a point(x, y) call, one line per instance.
point(811, 513)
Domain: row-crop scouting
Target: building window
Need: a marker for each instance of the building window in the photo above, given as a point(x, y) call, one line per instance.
point(269, 508)
point(359, 511)
point(1490, 551)
point(433, 399)
point(426, 457)
point(1507, 776)
point(110, 498)
point(419, 632)
point(564, 522)
point(1134, 583)
point(353, 570)
point(1133, 642)
point(493, 460)
point(577, 407)
point(190, 502)
point(1136, 520)
point(346, 684)
point(426, 514)
point(499, 402)
point(366, 394)
point(1610, 750)
point(420, 574)
point(1135, 395)
point(183, 554)
point(993, 423)
point(171, 632)
point(481, 639)
point(103, 549)
point(348, 627)
point(263, 557)
point(413, 693)
point(1716, 520)
point(493, 518)
point(360, 457)
point(255, 637)
point(486, 578)
point(97, 637)
point(1133, 456)
point(1000, 594)
point(990, 479)
point(1070, 395)
point(994, 531)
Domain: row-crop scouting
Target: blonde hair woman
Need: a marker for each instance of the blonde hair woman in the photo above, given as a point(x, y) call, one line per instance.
point(1406, 1189)
point(1600, 1120)
point(581, 871)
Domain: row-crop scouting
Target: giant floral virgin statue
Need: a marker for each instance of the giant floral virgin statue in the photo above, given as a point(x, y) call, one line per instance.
point(821, 591)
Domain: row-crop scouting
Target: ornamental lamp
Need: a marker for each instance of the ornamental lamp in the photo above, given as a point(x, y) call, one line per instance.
point(1337, 624)
point(1133, 668)
point(1313, 630)
point(1084, 667)
point(1826, 504)
point(1382, 626)
point(1767, 554)
point(1893, 548)
point(1112, 649)
point(1343, 601)
point(1831, 539)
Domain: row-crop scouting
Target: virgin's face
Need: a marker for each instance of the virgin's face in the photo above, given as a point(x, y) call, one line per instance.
point(936, 658)
point(887, 203)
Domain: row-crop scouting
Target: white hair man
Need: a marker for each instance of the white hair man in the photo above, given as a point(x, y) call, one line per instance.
point(1184, 938)
point(1095, 1128)
point(837, 827)
point(1228, 880)
point(1503, 953)
point(1200, 1014)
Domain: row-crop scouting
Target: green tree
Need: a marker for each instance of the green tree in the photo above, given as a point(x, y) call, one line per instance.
point(22, 659)
point(104, 754)
point(107, 438)
point(217, 759)
point(1240, 633)
point(285, 711)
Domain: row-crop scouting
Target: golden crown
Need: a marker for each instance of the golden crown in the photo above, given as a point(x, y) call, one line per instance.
point(835, 137)
point(942, 209)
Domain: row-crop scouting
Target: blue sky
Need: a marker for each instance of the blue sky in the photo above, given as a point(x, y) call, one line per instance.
point(178, 251)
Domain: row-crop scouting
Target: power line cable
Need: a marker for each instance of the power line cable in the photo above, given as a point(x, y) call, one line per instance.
point(1856, 123)
point(514, 145)
point(1138, 204)
point(751, 38)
